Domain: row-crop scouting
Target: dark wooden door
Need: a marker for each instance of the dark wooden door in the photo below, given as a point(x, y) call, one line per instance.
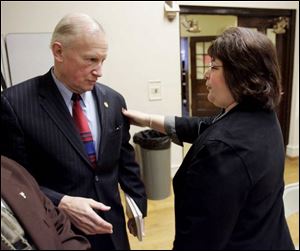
point(199, 65)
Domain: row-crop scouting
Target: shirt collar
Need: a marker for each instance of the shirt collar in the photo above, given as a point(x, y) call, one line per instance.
point(66, 93)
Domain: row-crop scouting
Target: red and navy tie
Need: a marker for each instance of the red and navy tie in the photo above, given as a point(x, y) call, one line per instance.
point(84, 130)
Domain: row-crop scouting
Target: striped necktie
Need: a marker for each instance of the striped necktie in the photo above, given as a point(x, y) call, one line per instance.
point(84, 130)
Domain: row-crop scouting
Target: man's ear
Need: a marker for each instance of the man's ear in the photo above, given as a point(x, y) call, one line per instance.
point(57, 51)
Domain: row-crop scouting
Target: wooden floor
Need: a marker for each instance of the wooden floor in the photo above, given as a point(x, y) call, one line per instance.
point(159, 224)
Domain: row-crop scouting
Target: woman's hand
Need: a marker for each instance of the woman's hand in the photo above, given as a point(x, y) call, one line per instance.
point(137, 118)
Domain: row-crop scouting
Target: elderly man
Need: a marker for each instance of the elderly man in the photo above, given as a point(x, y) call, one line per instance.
point(68, 131)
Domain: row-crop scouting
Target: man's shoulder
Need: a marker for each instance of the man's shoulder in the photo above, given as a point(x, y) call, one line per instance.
point(106, 90)
point(26, 87)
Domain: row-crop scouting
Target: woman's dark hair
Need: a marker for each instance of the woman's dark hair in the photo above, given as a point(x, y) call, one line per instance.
point(250, 66)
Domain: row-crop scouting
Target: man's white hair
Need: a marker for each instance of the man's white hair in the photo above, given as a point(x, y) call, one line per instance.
point(72, 25)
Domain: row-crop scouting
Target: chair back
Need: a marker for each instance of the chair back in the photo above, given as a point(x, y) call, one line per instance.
point(291, 199)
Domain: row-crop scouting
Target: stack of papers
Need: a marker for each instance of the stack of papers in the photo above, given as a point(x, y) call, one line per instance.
point(133, 211)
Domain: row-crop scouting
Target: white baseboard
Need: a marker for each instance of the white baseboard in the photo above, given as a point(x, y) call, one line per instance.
point(292, 151)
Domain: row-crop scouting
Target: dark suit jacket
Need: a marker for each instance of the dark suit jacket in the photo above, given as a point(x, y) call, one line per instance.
point(39, 132)
point(48, 227)
point(228, 190)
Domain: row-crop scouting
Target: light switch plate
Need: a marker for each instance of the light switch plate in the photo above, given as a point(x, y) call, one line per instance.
point(154, 90)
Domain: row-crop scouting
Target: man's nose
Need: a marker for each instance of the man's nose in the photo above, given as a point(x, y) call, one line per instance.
point(98, 71)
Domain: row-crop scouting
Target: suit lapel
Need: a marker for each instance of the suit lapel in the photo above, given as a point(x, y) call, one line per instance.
point(103, 112)
point(54, 105)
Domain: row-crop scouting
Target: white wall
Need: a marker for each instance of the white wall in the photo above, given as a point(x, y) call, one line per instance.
point(143, 46)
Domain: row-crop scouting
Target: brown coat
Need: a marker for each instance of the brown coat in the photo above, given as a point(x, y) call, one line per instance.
point(48, 227)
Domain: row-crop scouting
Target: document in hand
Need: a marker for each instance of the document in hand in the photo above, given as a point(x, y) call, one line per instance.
point(133, 211)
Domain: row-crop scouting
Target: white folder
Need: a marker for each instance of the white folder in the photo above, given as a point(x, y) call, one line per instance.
point(133, 211)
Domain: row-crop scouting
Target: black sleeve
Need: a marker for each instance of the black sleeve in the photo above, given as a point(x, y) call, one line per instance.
point(189, 128)
point(129, 172)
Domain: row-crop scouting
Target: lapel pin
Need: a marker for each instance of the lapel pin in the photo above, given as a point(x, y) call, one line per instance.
point(106, 104)
point(23, 195)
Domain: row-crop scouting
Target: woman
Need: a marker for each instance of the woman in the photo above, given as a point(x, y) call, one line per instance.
point(228, 190)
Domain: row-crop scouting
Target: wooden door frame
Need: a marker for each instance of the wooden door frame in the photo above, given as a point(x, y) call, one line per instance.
point(271, 13)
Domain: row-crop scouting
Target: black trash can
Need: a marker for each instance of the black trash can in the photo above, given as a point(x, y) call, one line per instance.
point(156, 163)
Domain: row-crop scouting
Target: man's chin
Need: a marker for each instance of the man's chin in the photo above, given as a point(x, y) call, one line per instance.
point(91, 85)
point(92, 82)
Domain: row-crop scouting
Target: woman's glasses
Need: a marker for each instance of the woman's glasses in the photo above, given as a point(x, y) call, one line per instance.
point(213, 66)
